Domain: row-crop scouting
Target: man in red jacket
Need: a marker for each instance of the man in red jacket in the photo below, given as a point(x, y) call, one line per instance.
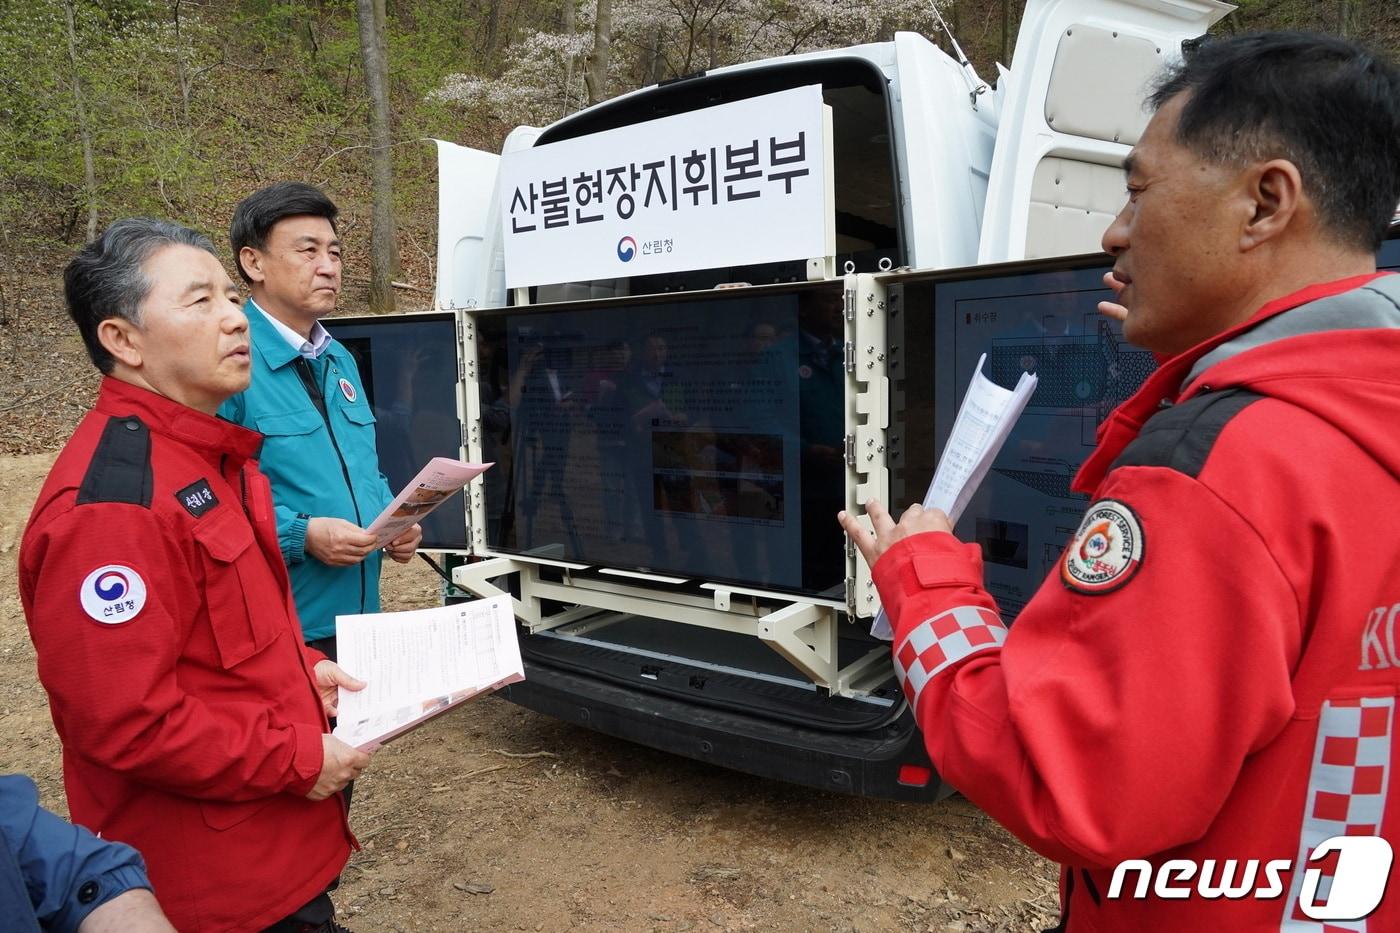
point(1207, 682)
point(193, 719)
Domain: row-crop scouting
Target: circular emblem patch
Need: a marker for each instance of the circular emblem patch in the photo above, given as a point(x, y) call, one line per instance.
point(113, 594)
point(1106, 550)
point(348, 390)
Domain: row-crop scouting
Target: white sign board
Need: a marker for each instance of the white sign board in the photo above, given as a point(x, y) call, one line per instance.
point(742, 183)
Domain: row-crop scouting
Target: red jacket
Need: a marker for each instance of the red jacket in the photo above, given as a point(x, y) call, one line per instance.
point(1210, 672)
point(170, 650)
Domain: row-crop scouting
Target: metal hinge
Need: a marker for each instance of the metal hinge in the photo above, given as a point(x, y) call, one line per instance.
point(850, 450)
point(850, 350)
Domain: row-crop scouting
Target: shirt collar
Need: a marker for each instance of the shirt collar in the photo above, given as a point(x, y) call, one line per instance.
point(311, 348)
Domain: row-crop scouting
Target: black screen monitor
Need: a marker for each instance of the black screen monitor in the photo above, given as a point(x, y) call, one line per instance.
point(1036, 317)
point(408, 365)
point(697, 436)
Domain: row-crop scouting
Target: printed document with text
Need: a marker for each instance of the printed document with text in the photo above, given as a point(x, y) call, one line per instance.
point(421, 663)
point(986, 417)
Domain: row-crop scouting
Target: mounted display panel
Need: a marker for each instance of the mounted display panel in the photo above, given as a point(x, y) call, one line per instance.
point(697, 436)
point(408, 363)
point(1039, 317)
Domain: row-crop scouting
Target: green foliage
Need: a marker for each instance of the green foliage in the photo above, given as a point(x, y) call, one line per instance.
point(191, 104)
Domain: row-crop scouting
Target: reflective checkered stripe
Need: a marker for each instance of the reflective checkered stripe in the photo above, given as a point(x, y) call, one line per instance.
point(945, 639)
point(1346, 796)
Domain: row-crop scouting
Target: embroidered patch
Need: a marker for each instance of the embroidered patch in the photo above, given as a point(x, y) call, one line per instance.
point(348, 390)
point(113, 594)
point(197, 498)
point(1106, 550)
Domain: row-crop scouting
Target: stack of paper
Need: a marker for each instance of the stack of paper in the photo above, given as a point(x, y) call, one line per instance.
point(985, 419)
point(421, 663)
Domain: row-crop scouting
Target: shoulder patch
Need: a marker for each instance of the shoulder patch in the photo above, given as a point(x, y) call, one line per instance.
point(1106, 551)
point(120, 469)
point(197, 498)
point(113, 594)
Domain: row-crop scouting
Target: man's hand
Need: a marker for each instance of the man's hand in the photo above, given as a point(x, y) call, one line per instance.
point(133, 911)
point(336, 542)
point(915, 520)
point(330, 677)
point(405, 545)
point(340, 765)
point(1111, 309)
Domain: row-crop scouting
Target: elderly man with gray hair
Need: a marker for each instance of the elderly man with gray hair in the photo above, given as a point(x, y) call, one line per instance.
point(192, 717)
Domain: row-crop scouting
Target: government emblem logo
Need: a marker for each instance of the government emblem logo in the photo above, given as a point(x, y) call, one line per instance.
point(1106, 550)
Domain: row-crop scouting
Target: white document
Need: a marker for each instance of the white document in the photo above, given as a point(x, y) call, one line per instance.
point(434, 485)
point(986, 417)
point(421, 663)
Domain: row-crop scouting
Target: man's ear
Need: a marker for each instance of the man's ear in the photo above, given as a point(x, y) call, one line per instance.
point(1276, 187)
point(251, 261)
point(122, 339)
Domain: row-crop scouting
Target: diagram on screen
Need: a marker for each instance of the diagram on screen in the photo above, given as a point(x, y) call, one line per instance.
point(1092, 373)
point(1027, 510)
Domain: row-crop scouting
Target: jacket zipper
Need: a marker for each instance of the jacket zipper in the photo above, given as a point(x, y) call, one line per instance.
point(318, 398)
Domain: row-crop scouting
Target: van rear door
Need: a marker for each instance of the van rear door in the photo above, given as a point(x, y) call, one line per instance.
point(1072, 108)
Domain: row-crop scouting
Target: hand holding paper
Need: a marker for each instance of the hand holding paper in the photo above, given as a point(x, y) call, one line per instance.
point(434, 485)
point(984, 421)
point(418, 664)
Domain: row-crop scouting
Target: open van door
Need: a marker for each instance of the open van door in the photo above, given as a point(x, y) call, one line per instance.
point(1072, 109)
point(471, 263)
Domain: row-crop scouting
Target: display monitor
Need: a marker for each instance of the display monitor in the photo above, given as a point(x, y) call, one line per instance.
point(1033, 317)
point(408, 365)
point(696, 436)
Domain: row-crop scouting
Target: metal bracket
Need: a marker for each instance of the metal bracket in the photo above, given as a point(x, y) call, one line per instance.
point(805, 633)
point(867, 422)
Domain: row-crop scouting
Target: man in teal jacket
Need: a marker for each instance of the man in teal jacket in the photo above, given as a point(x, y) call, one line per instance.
point(308, 400)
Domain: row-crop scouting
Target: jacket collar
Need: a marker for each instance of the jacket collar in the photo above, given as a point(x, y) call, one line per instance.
point(1164, 387)
point(211, 436)
point(274, 349)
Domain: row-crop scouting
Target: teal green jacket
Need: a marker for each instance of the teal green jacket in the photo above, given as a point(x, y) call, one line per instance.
point(319, 466)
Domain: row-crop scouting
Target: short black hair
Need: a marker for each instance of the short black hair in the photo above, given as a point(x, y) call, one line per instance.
point(1328, 105)
point(255, 215)
point(107, 278)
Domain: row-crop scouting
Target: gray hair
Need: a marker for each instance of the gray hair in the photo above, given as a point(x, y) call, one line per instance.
point(107, 279)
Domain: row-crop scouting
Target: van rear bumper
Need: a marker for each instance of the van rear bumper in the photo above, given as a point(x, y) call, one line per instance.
point(863, 764)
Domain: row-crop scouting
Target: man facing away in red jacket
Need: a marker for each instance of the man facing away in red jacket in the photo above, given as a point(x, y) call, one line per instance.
point(1206, 683)
point(192, 717)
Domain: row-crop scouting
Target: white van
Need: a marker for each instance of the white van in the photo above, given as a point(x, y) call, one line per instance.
point(672, 444)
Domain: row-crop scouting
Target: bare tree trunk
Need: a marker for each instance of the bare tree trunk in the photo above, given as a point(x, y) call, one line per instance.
point(493, 30)
point(84, 130)
point(382, 235)
point(570, 25)
point(652, 64)
point(1005, 31)
point(1348, 16)
point(601, 57)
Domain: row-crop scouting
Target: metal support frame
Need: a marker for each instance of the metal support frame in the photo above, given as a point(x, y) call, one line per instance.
point(803, 632)
point(867, 424)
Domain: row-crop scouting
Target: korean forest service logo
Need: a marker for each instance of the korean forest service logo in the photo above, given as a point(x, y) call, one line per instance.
point(1106, 550)
point(626, 249)
point(112, 594)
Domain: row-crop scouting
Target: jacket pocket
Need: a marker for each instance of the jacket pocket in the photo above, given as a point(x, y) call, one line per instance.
point(227, 551)
point(357, 441)
point(287, 423)
point(221, 815)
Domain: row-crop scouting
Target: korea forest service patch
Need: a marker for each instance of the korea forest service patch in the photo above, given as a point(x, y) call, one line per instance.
point(1106, 551)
